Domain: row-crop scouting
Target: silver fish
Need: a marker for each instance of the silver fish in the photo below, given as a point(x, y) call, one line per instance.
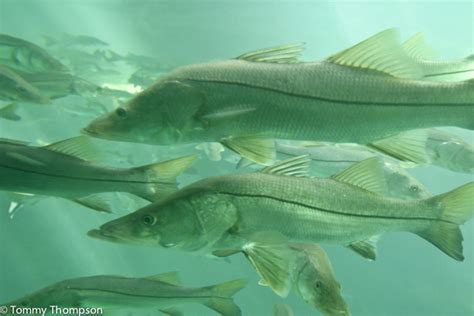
point(64, 169)
point(245, 102)
point(110, 293)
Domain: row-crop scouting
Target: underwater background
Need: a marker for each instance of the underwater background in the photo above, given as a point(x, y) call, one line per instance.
point(46, 242)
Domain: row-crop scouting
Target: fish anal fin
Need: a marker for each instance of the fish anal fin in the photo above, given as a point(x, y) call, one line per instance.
point(95, 202)
point(365, 248)
point(366, 174)
point(382, 52)
point(408, 146)
point(256, 148)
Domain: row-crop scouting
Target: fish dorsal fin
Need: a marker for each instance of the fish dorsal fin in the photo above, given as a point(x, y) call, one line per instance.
point(79, 147)
point(417, 48)
point(13, 141)
point(284, 54)
point(296, 167)
point(167, 277)
point(381, 52)
point(366, 174)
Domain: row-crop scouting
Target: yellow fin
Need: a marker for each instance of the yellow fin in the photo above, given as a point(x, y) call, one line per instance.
point(284, 54)
point(256, 148)
point(367, 174)
point(409, 146)
point(417, 48)
point(80, 147)
point(296, 167)
point(167, 277)
point(272, 259)
point(381, 52)
point(365, 248)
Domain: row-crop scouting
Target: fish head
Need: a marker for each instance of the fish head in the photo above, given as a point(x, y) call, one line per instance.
point(163, 114)
point(404, 186)
point(321, 291)
point(170, 223)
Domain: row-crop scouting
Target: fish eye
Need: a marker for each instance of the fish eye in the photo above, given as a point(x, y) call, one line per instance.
point(148, 220)
point(121, 112)
point(318, 284)
point(414, 188)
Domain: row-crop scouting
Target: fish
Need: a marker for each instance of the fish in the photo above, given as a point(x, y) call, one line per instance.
point(26, 56)
point(348, 209)
point(430, 146)
point(56, 85)
point(315, 281)
point(331, 158)
point(246, 102)
point(9, 112)
point(66, 40)
point(434, 69)
point(111, 293)
point(67, 169)
point(15, 88)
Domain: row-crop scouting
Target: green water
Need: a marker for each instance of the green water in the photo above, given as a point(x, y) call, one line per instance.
point(46, 242)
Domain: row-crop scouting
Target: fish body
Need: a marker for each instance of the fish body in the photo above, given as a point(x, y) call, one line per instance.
point(51, 170)
point(112, 292)
point(343, 209)
point(15, 88)
point(57, 84)
point(26, 56)
point(329, 159)
point(298, 100)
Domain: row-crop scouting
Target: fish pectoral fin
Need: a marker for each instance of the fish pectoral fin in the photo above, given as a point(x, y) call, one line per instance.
point(95, 202)
point(256, 148)
point(25, 159)
point(220, 297)
point(272, 259)
point(161, 177)
point(365, 248)
point(381, 52)
point(408, 146)
point(172, 311)
point(80, 147)
point(171, 278)
point(284, 54)
point(9, 112)
point(366, 174)
point(295, 167)
point(225, 115)
point(417, 48)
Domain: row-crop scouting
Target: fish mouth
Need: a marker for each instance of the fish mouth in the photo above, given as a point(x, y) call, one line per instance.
point(89, 132)
point(103, 235)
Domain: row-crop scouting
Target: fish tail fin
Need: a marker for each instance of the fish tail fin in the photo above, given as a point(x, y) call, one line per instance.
point(221, 297)
point(161, 177)
point(456, 208)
